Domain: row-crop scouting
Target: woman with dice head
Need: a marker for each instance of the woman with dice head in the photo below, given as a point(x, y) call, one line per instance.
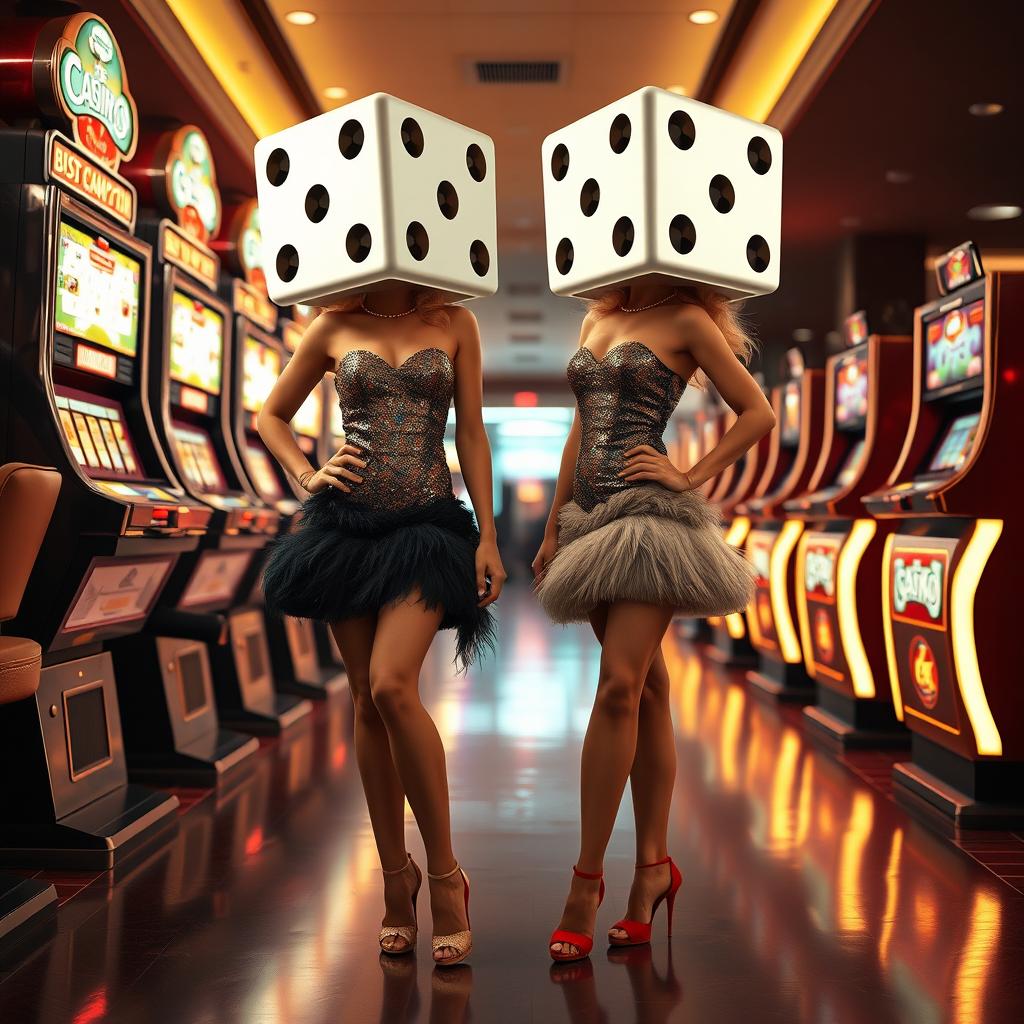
point(387, 555)
point(630, 541)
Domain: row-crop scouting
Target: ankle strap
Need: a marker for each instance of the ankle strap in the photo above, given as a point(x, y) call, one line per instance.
point(438, 878)
point(586, 874)
point(654, 864)
point(398, 871)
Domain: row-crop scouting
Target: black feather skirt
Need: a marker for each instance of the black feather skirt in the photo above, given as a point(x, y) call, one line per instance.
point(346, 560)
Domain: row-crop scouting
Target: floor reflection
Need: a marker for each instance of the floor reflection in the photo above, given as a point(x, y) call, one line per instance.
point(807, 895)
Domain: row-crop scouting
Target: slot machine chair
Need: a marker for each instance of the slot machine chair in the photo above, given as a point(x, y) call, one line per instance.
point(27, 497)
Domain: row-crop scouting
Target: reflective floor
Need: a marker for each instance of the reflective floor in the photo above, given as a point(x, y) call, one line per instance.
point(808, 895)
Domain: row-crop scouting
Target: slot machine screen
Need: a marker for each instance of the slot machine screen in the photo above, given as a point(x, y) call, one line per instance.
point(193, 682)
point(97, 291)
point(790, 429)
point(197, 459)
point(96, 434)
point(261, 366)
point(85, 713)
point(263, 476)
point(852, 464)
point(308, 421)
point(197, 343)
point(956, 445)
point(852, 391)
point(216, 578)
point(116, 591)
point(954, 344)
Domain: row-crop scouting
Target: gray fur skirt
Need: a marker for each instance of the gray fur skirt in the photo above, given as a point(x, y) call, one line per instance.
point(645, 544)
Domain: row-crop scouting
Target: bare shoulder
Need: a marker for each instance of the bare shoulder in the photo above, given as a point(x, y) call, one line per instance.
point(590, 319)
point(694, 323)
point(462, 319)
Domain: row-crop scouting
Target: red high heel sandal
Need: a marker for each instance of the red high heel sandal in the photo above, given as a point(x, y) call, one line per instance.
point(639, 932)
point(584, 943)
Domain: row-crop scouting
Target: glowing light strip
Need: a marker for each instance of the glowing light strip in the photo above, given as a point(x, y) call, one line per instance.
point(737, 532)
point(961, 628)
point(861, 677)
point(890, 645)
point(734, 626)
point(803, 613)
point(777, 40)
point(789, 643)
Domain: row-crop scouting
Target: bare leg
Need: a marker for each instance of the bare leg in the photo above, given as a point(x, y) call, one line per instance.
point(404, 633)
point(651, 779)
point(632, 633)
point(385, 797)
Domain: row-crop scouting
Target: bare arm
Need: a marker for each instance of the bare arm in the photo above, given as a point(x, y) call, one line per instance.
point(305, 371)
point(475, 451)
point(754, 416)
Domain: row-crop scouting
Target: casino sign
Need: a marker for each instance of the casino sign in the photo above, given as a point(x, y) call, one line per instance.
point(78, 66)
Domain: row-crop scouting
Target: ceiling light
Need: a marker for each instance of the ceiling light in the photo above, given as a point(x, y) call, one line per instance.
point(849, 222)
point(985, 109)
point(802, 335)
point(300, 17)
point(679, 90)
point(703, 16)
point(898, 177)
point(994, 211)
point(335, 92)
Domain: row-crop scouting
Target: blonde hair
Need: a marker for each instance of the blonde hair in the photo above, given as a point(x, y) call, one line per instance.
point(430, 306)
point(725, 314)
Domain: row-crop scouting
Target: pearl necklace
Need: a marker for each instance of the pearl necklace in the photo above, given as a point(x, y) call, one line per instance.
point(640, 309)
point(387, 316)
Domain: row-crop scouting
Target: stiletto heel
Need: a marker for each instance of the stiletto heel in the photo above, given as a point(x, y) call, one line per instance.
point(584, 943)
point(639, 932)
point(461, 942)
point(408, 932)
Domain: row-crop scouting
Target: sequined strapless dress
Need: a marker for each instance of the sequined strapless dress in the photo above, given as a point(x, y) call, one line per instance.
point(400, 530)
point(622, 541)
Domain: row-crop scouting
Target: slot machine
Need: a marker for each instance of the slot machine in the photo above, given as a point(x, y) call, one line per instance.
point(301, 650)
point(771, 541)
point(74, 331)
point(179, 733)
point(952, 562)
point(260, 356)
point(839, 554)
point(730, 644)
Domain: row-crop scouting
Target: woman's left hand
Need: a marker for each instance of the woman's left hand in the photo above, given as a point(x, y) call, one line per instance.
point(647, 463)
point(488, 566)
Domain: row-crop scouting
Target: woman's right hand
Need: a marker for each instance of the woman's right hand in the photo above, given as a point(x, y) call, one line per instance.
point(337, 470)
point(544, 555)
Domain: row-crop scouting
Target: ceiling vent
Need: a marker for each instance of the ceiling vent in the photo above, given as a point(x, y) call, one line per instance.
point(525, 316)
point(517, 72)
point(524, 288)
point(524, 339)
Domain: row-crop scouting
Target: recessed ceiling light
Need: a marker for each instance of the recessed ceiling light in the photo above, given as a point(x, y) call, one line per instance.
point(679, 90)
point(985, 109)
point(802, 335)
point(335, 92)
point(994, 211)
point(300, 17)
point(898, 177)
point(703, 16)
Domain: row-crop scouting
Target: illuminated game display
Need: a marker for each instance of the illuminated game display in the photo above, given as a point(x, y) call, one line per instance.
point(953, 351)
point(197, 342)
point(789, 426)
point(309, 420)
point(851, 390)
point(261, 366)
point(97, 291)
point(957, 444)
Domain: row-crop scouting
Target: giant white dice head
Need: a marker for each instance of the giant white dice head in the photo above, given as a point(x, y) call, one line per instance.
point(374, 193)
point(658, 187)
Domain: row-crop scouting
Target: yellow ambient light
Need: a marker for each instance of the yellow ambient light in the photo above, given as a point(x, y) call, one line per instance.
point(961, 628)
point(803, 613)
point(890, 645)
point(789, 644)
point(850, 556)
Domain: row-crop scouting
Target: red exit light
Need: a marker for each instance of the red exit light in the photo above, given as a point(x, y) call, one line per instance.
point(524, 399)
